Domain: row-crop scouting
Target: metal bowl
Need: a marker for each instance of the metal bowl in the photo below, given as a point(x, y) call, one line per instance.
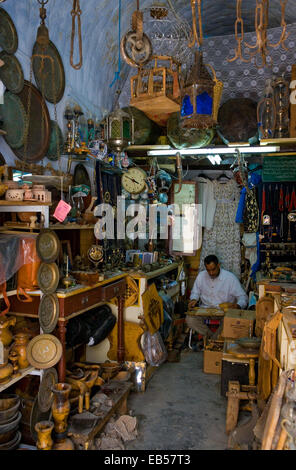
point(250, 343)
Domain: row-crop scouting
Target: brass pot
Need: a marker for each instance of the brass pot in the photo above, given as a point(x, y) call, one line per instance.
point(44, 440)
point(19, 346)
point(6, 370)
point(6, 336)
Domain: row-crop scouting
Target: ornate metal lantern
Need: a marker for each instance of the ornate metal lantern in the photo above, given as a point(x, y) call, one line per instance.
point(119, 130)
point(200, 97)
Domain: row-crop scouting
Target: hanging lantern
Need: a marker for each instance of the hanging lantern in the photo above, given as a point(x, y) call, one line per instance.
point(200, 97)
point(119, 130)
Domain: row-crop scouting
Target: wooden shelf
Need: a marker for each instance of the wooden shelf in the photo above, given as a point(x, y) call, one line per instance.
point(23, 372)
point(4, 203)
point(155, 273)
point(71, 227)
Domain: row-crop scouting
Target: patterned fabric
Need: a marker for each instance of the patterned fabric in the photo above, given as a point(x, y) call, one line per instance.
point(251, 212)
point(223, 240)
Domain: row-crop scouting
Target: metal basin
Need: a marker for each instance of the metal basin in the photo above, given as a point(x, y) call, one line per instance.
point(9, 404)
point(250, 343)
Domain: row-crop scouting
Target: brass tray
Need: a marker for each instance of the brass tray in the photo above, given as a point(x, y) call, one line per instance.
point(48, 277)
point(14, 118)
point(48, 246)
point(8, 33)
point(45, 394)
point(48, 312)
point(50, 78)
point(44, 351)
point(36, 416)
point(11, 73)
point(56, 141)
point(39, 125)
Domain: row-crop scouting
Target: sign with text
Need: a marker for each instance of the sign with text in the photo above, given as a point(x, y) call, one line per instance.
point(279, 168)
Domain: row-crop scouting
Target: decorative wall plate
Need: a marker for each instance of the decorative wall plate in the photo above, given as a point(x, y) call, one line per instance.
point(44, 351)
point(56, 141)
point(48, 277)
point(45, 394)
point(11, 73)
point(48, 312)
point(50, 78)
point(8, 33)
point(14, 118)
point(36, 416)
point(48, 246)
point(39, 125)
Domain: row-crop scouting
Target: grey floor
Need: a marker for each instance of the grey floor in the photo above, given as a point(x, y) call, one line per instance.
point(181, 409)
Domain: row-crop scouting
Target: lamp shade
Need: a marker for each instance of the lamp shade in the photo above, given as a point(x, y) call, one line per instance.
point(120, 130)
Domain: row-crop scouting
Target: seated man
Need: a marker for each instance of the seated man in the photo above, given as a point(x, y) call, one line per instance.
point(212, 287)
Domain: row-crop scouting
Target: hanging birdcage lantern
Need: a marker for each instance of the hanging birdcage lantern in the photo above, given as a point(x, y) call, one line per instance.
point(200, 97)
point(119, 130)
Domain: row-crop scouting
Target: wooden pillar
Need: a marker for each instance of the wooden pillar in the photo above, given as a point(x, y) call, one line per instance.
point(120, 330)
point(62, 363)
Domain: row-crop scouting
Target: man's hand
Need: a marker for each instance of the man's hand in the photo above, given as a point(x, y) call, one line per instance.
point(192, 304)
point(234, 306)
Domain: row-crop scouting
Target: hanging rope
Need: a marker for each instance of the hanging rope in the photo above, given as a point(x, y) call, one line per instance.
point(76, 13)
point(117, 74)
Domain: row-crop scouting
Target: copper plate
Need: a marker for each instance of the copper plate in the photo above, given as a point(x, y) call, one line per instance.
point(45, 394)
point(48, 246)
point(48, 277)
point(48, 312)
point(13, 114)
point(44, 351)
point(11, 73)
point(36, 416)
point(39, 125)
point(49, 76)
point(8, 33)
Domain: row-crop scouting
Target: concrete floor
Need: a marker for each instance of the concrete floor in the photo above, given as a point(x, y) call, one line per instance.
point(181, 409)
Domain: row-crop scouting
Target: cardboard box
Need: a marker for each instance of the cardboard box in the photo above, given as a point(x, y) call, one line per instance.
point(212, 361)
point(238, 323)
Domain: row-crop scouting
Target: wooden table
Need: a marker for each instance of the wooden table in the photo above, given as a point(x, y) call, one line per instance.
point(76, 301)
point(84, 427)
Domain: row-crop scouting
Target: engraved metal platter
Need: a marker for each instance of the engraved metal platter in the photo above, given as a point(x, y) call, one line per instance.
point(44, 351)
point(48, 246)
point(49, 72)
point(48, 277)
point(56, 141)
point(8, 33)
point(45, 394)
point(48, 312)
point(13, 115)
point(39, 124)
point(11, 73)
point(36, 416)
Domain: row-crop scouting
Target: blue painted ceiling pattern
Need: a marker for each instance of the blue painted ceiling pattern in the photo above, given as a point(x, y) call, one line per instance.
point(90, 86)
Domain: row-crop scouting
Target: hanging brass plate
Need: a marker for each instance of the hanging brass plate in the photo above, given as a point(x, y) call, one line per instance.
point(14, 117)
point(8, 33)
point(36, 416)
point(11, 73)
point(49, 72)
point(48, 246)
point(48, 277)
point(45, 394)
point(39, 124)
point(44, 351)
point(48, 312)
point(56, 141)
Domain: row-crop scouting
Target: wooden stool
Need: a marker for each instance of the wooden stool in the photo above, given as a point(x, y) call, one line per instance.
point(236, 392)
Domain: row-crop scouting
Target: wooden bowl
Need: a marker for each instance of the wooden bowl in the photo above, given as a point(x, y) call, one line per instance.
point(9, 404)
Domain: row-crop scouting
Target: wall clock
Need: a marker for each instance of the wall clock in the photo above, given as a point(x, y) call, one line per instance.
point(134, 180)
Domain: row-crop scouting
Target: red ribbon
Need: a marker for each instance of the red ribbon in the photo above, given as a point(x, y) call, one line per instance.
point(281, 199)
point(293, 201)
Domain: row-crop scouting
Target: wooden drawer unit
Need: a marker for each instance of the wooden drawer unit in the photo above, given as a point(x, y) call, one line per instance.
point(78, 302)
point(112, 290)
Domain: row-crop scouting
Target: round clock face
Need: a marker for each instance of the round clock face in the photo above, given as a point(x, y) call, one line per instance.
point(134, 180)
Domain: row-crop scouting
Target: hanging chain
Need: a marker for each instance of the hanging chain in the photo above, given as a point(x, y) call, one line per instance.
point(197, 38)
point(284, 35)
point(76, 12)
point(27, 123)
point(239, 34)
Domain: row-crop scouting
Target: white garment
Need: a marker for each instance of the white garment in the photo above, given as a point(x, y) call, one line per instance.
point(206, 198)
point(223, 240)
point(224, 288)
